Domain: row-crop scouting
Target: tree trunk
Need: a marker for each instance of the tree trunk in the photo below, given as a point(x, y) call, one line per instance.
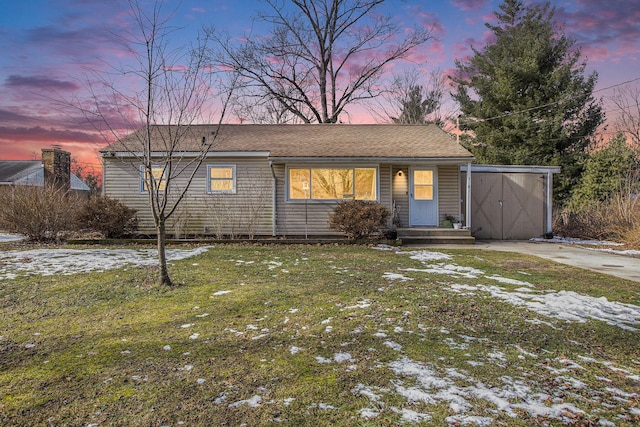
point(162, 256)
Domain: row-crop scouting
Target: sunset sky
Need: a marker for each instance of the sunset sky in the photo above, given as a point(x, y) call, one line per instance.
point(46, 48)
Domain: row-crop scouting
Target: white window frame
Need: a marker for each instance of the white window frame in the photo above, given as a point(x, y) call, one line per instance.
point(329, 166)
point(233, 179)
point(143, 172)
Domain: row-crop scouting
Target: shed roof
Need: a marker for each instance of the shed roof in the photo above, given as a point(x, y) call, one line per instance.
point(308, 141)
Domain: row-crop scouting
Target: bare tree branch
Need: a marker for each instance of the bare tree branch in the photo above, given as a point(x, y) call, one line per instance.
point(627, 100)
point(320, 56)
point(164, 86)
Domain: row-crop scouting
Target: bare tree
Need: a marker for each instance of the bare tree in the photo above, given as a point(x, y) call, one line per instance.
point(627, 100)
point(260, 108)
point(173, 88)
point(413, 98)
point(320, 56)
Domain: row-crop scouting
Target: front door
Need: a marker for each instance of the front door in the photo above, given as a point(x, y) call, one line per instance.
point(423, 197)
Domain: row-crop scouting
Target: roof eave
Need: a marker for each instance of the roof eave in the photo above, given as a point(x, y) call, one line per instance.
point(132, 154)
point(403, 160)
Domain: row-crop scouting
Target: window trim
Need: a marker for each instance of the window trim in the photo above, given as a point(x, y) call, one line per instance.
point(309, 167)
point(233, 178)
point(143, 171)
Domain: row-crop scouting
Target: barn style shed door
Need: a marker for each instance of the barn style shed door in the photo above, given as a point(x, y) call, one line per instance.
point(507, 206)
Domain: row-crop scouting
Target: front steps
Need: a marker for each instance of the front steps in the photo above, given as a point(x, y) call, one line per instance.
point(435, 236)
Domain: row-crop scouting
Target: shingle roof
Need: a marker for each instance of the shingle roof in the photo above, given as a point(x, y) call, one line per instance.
point(31, 172)
point(313, 141)
point(13, 170)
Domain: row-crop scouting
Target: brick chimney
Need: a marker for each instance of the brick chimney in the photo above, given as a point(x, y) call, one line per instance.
point(57, 167)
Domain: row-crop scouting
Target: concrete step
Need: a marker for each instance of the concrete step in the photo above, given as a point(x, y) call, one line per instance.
point(469, 240)
point(434, 236)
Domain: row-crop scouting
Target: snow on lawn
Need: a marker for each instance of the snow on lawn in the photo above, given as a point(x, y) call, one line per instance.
point(565, 305)
point(417, 385)
point(49, 262)
point(4, 237)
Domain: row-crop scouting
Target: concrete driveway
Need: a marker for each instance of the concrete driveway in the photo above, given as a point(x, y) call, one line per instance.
point(626, 267)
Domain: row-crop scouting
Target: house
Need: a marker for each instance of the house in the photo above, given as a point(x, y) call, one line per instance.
point(285, 180)
point(54, 168)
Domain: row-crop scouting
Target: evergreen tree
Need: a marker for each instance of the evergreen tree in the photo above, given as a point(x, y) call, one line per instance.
point(525, 97)
point(605, 171)
point(416, 105)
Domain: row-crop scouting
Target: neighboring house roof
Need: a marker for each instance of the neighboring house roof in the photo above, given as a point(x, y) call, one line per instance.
point(31, 172)
point(308, 141)
point(15, 170)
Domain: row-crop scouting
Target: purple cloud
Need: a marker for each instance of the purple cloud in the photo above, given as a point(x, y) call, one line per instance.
point(7, 116)
point(39, 133)
point(467, 5)
point(605, 30)
point(39, 82)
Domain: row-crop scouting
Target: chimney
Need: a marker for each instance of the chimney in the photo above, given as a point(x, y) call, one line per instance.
point(57, 167)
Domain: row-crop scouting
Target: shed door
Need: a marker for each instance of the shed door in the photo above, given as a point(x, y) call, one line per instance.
point(423, 197)
point(507, 206)
point(523, 207)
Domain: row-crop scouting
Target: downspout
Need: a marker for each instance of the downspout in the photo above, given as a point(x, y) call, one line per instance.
point(274, 201)
point(468, 205)
point(102, 190)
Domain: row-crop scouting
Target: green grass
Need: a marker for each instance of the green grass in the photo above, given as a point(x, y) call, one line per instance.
point(113, 348)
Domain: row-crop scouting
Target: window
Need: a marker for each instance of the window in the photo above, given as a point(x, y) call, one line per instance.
point(221, 179)
point(423, 184)
point(332, 183)
point(159, 176)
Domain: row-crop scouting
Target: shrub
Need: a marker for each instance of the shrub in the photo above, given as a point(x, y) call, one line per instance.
point(359, 219)
point(108, 216)
point(616, 218)
point(40, 213)
point(606, 171)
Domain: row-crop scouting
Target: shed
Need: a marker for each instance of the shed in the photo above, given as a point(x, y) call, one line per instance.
point(509, 202)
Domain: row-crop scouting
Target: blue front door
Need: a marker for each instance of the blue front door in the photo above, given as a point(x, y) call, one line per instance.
point(423, 197)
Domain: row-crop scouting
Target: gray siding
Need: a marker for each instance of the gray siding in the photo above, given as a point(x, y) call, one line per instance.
point(297, 218)
point(449, 200)
point(400, 193)
point(247, 212)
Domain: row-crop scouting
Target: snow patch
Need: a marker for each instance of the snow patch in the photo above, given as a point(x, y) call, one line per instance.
point(49, 262)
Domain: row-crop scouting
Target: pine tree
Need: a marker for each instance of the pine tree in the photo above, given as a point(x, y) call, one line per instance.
point(525, 97)
point(416, 105)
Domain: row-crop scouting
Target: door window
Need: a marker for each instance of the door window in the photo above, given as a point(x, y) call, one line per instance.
point(423, 185)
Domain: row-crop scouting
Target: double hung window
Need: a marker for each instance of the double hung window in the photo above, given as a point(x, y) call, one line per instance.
point(221, 179)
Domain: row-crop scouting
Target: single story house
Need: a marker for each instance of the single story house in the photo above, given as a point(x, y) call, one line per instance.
point(54, 168)
point(285, 180)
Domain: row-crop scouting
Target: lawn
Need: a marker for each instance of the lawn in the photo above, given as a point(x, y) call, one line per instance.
point(313, 335)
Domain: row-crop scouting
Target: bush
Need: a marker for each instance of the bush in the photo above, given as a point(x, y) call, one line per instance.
point(40, 213)
point(616, 218)
point(107, 216)
point(359, 219)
